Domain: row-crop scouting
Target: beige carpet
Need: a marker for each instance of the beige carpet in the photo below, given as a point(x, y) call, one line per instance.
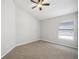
point(42, 50)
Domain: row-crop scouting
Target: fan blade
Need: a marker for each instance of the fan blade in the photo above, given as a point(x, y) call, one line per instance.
point(33, 1)
point(40, 8)
point(34, 7)
point(38, 1)
point(46, 4)
point(42, 0)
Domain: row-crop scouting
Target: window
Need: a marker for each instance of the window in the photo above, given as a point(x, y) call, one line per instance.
point(66, 30)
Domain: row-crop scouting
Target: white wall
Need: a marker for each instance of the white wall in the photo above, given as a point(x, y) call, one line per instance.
point(18, 28)
point(27, 28)
point(49, 30)
point(8, 26)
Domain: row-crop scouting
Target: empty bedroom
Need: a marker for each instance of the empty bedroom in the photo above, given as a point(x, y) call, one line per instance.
point(39, 29)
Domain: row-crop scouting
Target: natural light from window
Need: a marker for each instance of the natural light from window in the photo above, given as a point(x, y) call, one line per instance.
point(66, 31)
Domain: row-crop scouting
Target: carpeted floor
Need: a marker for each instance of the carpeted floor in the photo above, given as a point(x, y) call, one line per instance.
point(42, 50)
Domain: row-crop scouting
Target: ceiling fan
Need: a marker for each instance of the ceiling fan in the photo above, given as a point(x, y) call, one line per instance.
point(39, 4)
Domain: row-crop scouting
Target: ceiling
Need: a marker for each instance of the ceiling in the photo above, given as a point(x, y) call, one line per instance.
point(56, 8)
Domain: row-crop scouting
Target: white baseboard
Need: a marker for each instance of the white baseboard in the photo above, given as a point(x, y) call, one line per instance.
point(7, 52)
point(60, 44)
point(18, 45)
point(26, 42)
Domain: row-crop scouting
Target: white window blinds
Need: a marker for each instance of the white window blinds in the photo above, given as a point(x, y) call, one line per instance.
point(66, 30)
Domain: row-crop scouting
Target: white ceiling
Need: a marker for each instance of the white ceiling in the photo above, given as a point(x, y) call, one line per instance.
point(56, 8)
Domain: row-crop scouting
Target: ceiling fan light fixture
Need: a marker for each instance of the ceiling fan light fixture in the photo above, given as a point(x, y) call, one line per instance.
point(39, 5)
